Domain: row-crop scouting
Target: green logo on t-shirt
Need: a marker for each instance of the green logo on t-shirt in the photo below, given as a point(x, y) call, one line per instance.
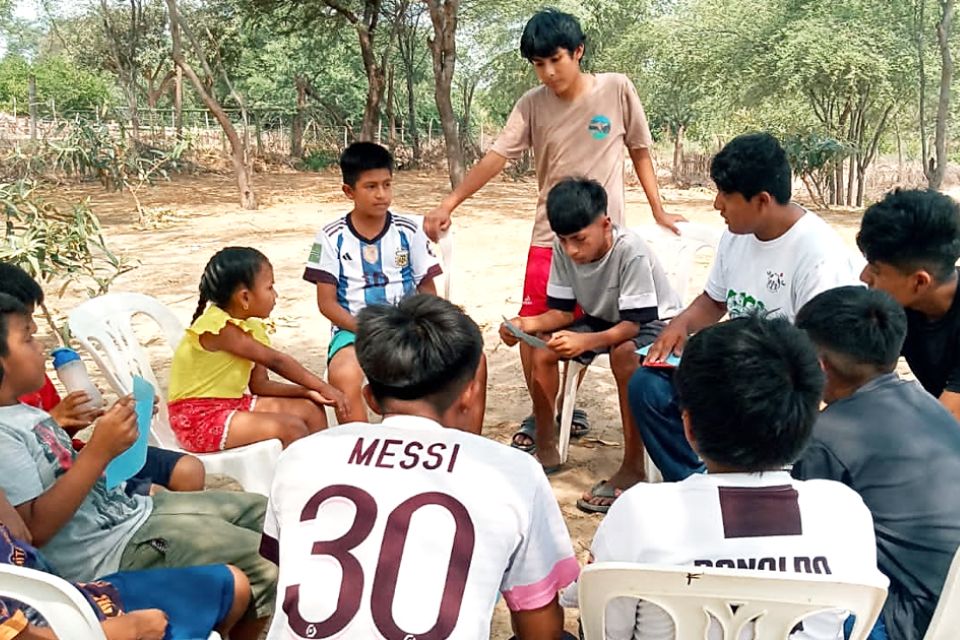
point(599, 127)
point(742, 303)
point(315, 252)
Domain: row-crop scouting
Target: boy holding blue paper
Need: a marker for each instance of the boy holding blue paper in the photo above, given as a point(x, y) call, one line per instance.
point(87, 530)
point(623, 290)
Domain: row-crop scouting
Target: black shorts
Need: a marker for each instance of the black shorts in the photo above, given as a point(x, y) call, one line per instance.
point(156, 470)
point(588, 324)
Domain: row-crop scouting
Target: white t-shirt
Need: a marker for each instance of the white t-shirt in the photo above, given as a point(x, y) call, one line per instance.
point(365, 271)
point(387, 531)
point(779, 276)
point(765, 521)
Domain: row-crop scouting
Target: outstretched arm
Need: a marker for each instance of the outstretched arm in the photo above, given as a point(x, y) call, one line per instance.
point(438, 220)
point(643, 164)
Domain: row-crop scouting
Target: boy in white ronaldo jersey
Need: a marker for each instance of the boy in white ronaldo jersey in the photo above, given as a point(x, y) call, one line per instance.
point(369, 256)
point(412, 528)
point(750, 391)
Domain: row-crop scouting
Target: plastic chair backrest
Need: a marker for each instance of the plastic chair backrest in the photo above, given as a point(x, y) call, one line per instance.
point(446, 254)
point(63, 607)
point(678, 254)
point(104, 327)
point(946, 617)
point(733, 597)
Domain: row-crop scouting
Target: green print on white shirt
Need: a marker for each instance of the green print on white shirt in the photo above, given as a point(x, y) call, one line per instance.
point(742, 304)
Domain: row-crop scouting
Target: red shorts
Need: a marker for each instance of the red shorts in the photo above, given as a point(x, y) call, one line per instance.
point(535, 283)
point(201, 424)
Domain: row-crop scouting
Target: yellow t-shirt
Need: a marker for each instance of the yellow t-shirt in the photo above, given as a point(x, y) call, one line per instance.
point(198, 373)
point(13, 626)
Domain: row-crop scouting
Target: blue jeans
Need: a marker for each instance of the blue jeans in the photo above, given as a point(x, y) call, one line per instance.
point(653, 400)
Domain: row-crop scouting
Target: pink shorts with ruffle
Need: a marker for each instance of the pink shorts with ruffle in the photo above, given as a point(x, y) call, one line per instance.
point(201, 424)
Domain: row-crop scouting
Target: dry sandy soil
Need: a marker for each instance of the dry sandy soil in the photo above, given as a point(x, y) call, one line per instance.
point(492, 234)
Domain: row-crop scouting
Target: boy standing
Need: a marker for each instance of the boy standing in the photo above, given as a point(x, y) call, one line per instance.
point(625, 296)
point(577, 124)
point(369, 256)
point(412, 528)
point(750, 389)
point(891, 442)
point(911, 240)
point(84, 528)
point(773, 258)
point(175, 470)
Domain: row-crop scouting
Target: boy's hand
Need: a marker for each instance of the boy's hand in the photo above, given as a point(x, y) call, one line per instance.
point(332, 397)
point(569, 344)
point(671, 340)
point(508, 338)
point(669, 220)
point(72, 415)
point(116, 431)
point(436, 223)
point(151, 624)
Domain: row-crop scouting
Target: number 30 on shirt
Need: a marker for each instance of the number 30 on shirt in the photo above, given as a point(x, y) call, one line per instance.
point(388, 565)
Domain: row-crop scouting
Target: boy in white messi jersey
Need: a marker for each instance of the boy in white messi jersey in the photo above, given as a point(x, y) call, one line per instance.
point(369, 256)
point(414, 527)
point(750, 391)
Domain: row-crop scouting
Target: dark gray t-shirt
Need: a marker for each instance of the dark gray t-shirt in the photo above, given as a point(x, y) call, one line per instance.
point(895, 445)
point(629, 278)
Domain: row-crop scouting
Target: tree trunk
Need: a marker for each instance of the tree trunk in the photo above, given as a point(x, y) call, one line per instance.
point(248, 199)
point(443, 46)
point(32, 97)
point(375, 82)
point(677, 152)
point(391, 111)
point(297, 126)
point(178, 102)
point(935, 178)
point(412, 121)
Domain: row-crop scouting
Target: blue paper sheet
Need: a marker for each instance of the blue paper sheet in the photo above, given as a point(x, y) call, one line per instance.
point(671, 361)
point(128, 463)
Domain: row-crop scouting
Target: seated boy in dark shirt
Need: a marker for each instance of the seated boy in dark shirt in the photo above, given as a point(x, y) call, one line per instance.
point(892, 443)
point(911, 240)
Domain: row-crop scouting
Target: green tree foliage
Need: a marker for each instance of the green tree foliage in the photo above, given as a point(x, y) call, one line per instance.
point(59, 81)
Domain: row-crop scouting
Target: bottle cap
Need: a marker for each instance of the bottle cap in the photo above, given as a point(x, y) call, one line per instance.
point(64, 355)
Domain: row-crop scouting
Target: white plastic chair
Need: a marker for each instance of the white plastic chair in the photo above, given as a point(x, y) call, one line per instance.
point(446, 254)
point(103, 327)
point(64, 608)
point(946, 617)
point(733, 597)
point(677, 255)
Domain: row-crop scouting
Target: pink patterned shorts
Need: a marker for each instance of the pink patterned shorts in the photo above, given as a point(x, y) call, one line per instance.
point(201, 424)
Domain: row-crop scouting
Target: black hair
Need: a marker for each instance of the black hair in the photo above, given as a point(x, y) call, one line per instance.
point(9, 305)
point(750, 164)
point(913, 229)
point(549, 30)
point(752, 388)
point(228, 269)
point(858, 327)
point(16, 282)
point(363, 156)
point(574, 203)
point(423, 348)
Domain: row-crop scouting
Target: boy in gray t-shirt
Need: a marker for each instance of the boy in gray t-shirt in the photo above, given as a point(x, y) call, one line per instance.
point(623, 293)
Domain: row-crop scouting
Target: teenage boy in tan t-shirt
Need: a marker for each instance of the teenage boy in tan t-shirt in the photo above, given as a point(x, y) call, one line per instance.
point(577, 124)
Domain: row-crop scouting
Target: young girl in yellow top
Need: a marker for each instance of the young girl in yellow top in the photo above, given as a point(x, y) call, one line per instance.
point(220, 394)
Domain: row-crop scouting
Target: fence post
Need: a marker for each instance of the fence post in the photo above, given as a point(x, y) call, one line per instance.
point(379, 131)
point(430, 131)
point(344, 136)
point(481, 136)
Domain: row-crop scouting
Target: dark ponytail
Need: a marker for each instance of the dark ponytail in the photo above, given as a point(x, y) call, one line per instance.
point(227, 270)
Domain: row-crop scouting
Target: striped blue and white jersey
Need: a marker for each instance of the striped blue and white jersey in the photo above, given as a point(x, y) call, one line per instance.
point(365, 271)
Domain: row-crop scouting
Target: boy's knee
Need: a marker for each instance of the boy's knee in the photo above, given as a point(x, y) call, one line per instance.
point(188, 475)
point(290, 430)
point(345, 374)
point(624, 360)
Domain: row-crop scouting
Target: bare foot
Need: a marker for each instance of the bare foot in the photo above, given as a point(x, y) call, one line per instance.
point(548, 456)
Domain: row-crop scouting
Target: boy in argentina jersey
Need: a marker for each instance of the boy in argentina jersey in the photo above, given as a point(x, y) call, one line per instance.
point(412, 528)
point(369, 256)
point(750, 392)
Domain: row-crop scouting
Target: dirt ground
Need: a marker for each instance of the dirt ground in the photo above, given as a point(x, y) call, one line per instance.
point(492, 233)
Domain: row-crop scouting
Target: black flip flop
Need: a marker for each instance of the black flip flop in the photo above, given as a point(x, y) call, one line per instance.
point(602, 489)
point(579, 426)
point(528, 427)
